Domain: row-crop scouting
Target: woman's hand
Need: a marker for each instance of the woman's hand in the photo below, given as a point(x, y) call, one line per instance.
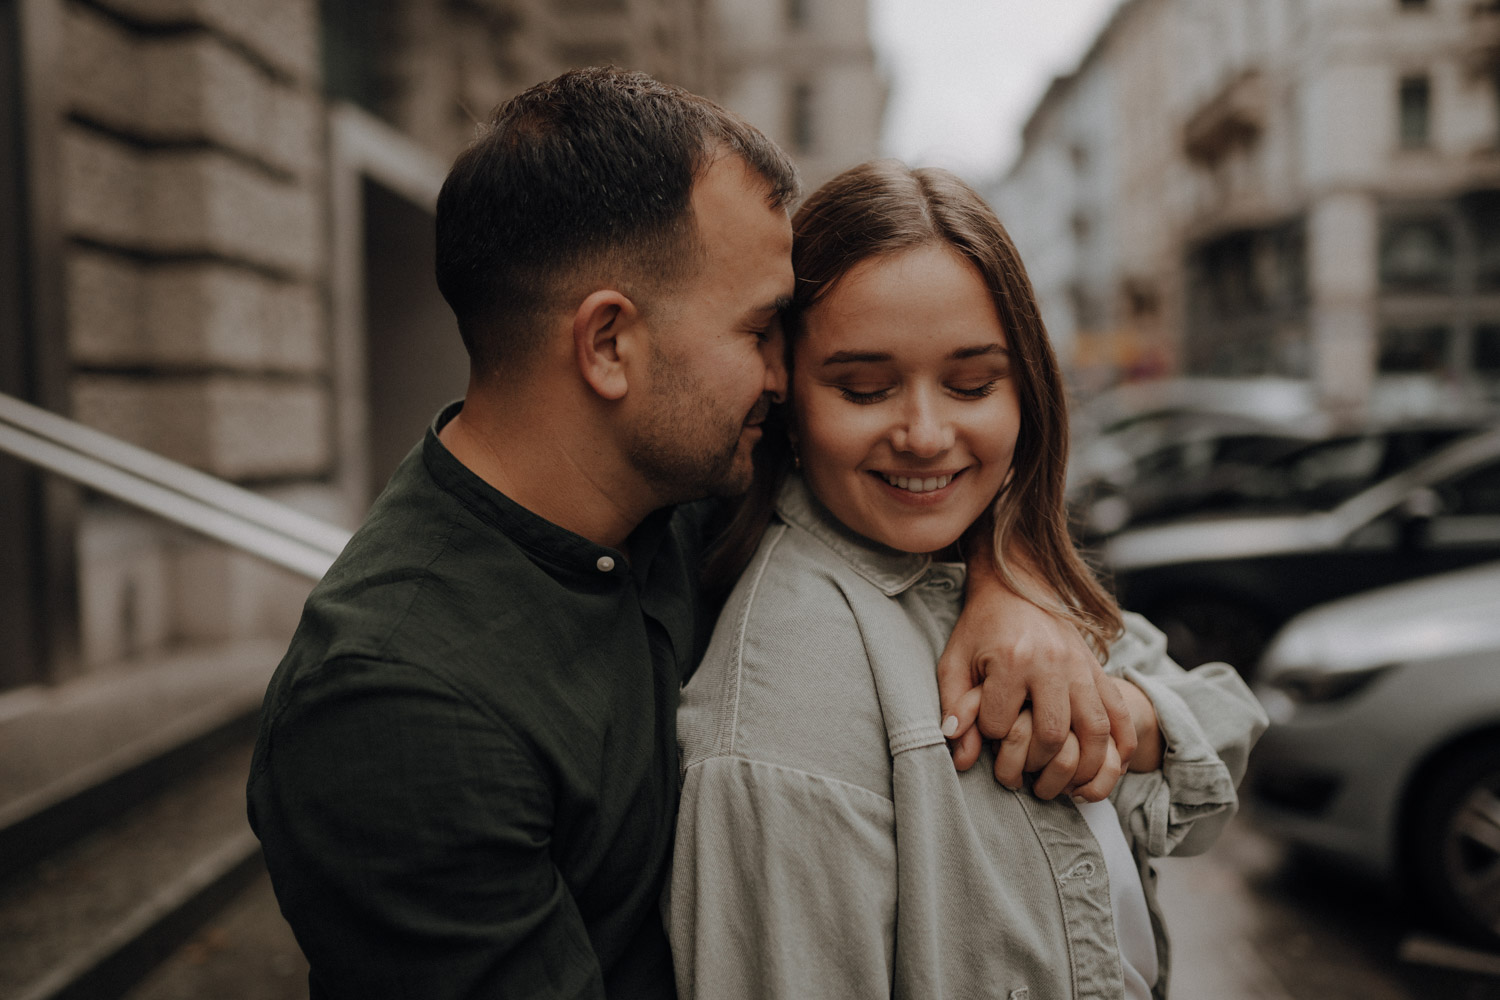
point(1060, 774)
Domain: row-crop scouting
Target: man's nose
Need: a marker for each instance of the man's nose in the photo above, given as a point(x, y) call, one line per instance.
point(774, 353)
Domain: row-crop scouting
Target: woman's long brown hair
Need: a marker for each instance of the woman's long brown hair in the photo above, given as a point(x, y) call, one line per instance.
point(883, 208)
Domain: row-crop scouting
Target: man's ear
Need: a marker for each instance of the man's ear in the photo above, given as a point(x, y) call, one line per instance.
point(605, 329)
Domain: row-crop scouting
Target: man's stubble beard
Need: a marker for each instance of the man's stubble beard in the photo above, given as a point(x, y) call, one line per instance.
point(687, 451)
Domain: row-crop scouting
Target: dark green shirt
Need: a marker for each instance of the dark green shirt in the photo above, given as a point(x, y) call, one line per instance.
point(466, 777)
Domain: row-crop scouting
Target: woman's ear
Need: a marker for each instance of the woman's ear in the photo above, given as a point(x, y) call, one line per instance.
point(605, 325)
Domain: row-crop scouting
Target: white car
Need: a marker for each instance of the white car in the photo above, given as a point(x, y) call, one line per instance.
point(1384, 746)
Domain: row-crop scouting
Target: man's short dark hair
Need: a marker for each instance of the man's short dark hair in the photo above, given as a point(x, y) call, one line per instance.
point(586, 176)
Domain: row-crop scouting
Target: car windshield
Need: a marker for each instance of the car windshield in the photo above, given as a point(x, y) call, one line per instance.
point(1322, 475)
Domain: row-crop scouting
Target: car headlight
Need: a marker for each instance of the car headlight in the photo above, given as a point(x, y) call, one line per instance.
point(1318, 686)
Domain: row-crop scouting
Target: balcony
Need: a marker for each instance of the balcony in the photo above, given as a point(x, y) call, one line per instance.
point(1233, 118)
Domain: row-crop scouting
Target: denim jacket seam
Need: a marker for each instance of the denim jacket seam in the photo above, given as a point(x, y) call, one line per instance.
point(739, 638)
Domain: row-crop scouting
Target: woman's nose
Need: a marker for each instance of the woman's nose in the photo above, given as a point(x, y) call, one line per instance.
point(924, 432)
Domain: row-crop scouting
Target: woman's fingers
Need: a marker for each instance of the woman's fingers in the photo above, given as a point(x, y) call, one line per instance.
point(966, 749)
point(1058, 774)
point(1103, 783)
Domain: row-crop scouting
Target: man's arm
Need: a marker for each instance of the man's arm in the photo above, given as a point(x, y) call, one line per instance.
point(407, 835)
point(1006, 652)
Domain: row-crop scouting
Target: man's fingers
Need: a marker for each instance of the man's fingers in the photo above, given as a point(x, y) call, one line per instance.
point(1058, 774)
point(1010, 754)
point(1121, 724)
point(1104, 782)
point(1001, 702)
point(1051, 712)
point(1091, 723)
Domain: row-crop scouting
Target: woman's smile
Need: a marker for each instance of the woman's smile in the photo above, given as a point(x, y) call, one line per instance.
point(905, 413)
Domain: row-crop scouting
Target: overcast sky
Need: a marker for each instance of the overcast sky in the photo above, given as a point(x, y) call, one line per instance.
point(965, 74)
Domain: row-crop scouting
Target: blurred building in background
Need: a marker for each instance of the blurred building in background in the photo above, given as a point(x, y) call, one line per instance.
point(1247, 187)
point(805, 72)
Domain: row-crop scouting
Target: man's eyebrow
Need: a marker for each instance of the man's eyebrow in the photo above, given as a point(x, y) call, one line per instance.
point(781, 305)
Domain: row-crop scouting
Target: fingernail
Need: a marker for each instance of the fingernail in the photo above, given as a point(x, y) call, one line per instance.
point(950, 726)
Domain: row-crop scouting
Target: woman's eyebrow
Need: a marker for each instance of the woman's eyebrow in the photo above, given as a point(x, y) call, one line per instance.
point(978, 351)
point(855, 357)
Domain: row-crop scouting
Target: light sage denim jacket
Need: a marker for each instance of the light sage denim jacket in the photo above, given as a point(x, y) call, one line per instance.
point(827, 848)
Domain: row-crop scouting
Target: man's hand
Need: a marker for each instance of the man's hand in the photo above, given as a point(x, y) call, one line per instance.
point(1005, 655)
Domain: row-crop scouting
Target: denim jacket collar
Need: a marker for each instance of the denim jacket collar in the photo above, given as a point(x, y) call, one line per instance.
point(890, 570)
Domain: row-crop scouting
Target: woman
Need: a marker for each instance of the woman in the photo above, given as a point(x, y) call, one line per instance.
point(826, 846)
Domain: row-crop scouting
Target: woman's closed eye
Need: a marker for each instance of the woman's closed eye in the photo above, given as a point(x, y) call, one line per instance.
point(864, 393)
point(975, 390)
point(967, 389)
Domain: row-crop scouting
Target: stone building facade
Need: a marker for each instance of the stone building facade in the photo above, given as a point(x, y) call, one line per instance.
point(215, 224)
point(1272, 187)
point(805, 72)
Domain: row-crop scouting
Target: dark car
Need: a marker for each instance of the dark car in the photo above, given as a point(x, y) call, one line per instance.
point(1253, 468)
point(1220, 584)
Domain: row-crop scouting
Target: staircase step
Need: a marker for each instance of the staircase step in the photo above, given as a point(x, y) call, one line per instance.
point(93, 917)
point(74, 756)
point(246, 952)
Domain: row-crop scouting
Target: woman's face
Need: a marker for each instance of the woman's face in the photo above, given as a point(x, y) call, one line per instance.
point(905, 410)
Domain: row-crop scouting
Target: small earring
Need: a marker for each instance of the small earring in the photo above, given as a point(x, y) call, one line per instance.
point(796, 457)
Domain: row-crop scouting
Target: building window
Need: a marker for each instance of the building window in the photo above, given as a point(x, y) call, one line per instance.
point(803, 133)
point(1417, 255)
point(1487, 348)
point(1415, 111)
point(1415, 350)
point(1247, 303)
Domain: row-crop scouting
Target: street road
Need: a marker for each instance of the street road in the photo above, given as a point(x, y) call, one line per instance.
point(1250, 923)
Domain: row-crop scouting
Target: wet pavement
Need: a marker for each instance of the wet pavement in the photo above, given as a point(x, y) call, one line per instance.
point(1250, 922)
point(1247, 923)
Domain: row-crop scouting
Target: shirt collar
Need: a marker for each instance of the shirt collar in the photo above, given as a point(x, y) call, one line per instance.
point(890, 570)
point(546, 542)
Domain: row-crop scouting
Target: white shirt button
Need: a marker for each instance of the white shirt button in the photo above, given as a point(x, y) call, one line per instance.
point(605, 564)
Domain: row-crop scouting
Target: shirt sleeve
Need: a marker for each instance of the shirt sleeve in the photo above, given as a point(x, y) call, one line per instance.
point(1209, 721)
point(783, 885)
point(407, 835)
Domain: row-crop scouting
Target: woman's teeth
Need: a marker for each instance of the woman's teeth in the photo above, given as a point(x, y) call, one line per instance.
point(918, 485)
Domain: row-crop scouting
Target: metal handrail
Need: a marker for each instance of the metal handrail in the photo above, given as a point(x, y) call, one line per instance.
point(249, 522)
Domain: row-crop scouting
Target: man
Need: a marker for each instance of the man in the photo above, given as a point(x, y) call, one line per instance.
point(466, 778)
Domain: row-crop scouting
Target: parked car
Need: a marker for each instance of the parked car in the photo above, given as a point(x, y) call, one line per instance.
point(1256, 467)
point(1384, 746)
point(1219, 584)
point(1189, 468)
point(1118, 427)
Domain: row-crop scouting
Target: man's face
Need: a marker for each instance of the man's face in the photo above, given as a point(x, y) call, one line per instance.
point(716, 352)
